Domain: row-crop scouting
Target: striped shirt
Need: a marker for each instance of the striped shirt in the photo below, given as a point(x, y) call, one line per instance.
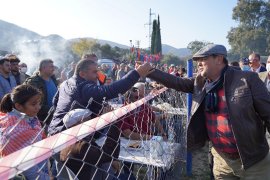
point(18, 131)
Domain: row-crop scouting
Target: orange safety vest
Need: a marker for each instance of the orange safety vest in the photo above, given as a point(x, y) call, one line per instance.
point(101, 77)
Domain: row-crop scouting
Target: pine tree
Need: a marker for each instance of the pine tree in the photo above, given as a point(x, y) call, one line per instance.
point(158, 46)
point(153, 37)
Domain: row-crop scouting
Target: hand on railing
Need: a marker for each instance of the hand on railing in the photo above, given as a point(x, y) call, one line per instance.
point(107, 108)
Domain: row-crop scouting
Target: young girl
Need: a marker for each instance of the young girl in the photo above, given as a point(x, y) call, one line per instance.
point(19, 126)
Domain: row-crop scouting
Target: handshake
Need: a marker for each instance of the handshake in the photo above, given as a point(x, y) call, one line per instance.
point(144, 69)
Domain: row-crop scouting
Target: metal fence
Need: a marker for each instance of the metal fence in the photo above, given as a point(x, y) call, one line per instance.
point(108, 146)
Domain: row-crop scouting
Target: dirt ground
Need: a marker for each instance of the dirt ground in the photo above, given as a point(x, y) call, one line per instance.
point(200, 167)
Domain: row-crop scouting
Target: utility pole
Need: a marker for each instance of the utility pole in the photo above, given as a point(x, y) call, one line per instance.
point(150, 27)
point(131, 46)
point(137, 42)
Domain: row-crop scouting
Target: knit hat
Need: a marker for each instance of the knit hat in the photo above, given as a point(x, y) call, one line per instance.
point(75, 116)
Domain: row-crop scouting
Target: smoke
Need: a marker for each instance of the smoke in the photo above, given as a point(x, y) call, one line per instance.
point(52, 47)
point(32, 47)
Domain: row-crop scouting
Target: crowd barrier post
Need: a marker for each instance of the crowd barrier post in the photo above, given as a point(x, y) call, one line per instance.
point(189, 103)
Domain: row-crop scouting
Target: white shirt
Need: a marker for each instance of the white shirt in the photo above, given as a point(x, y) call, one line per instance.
point(257, 70)
point(268, 83)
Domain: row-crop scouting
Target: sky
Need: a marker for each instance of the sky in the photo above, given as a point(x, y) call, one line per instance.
point(181, 21)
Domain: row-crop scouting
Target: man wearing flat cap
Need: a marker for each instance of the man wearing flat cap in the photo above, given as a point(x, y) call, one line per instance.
point(230, 109)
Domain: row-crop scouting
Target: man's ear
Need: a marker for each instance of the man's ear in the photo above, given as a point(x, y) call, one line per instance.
point(219, 59)
point(81, 74)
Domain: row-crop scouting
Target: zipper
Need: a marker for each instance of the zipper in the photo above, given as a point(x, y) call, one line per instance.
point(229, 119)
point(237, 148)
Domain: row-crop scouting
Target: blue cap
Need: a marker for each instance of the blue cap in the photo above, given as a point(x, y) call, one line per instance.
point(210, 49)
point(245, 60)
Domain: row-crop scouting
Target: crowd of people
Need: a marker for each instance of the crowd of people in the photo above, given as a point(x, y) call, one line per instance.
point(222, 92)
point(40, 102)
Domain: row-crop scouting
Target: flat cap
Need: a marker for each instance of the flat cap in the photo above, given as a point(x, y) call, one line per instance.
point(75, 116)
point(210, 49)
point(245, 60)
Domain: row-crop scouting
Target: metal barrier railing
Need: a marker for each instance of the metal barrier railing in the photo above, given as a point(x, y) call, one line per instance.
point(158, 152)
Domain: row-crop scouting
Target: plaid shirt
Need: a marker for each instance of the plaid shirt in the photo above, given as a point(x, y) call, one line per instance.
point(139, 120)
point(218, 127)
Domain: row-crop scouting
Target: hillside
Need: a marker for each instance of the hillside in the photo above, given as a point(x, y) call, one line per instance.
point(16, 38)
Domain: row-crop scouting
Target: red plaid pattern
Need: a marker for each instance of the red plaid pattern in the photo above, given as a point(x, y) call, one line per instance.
point(219, 129)
point(139, 120)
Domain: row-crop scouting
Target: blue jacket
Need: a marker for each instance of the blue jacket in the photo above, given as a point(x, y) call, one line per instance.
point(5, 86)
point(76, 92)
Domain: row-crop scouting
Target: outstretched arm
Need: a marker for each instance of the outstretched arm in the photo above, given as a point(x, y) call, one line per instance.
point(118, 87)
point(171, 81)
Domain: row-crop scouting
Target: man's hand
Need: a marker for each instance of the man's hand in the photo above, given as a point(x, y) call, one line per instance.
point(116, 166)
point(147, 137)
point(144, 69)
point(156, 85)
point(107, 108)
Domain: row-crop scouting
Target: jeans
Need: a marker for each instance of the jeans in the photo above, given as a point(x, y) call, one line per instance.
point(39, 171)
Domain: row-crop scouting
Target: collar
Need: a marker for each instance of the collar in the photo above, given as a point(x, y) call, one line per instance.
point(20, 114)
point(80, 79)
point(256, 70)
point(17, 113)
point(5, 76)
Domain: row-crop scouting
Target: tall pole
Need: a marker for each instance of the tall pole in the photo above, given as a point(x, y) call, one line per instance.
point(150, 27)
point(130, 52)
point(131, 48)
point(189, 104)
